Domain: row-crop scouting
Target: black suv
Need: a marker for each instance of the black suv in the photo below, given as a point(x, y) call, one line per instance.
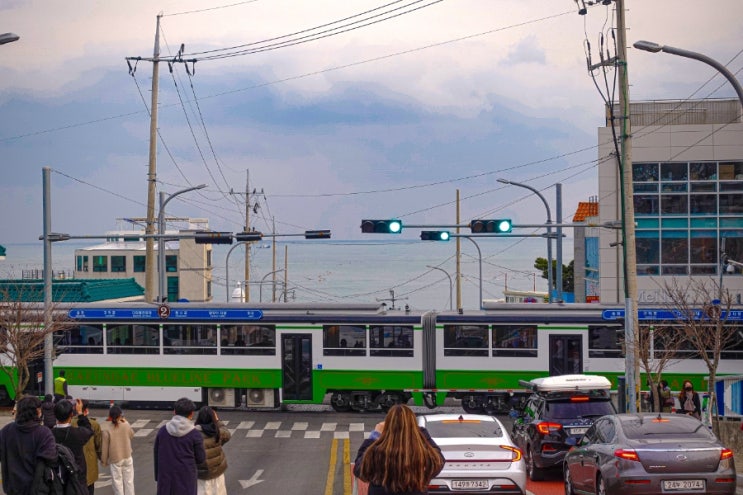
point(549, 419)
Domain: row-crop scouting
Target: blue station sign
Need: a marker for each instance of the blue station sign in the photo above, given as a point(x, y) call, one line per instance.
point(175, 314)
point(667, 314)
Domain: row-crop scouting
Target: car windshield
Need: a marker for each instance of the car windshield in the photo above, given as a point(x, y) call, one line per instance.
point(577, 410)
point(665, 426)
point(467, 428)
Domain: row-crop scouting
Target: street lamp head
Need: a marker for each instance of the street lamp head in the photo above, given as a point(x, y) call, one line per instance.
point(503, 181)
point(648, 46)
point(8, 38)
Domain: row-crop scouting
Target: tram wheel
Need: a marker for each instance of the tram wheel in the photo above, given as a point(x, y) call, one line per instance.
point(389, 399)
point(472, 405)
point(340, 401)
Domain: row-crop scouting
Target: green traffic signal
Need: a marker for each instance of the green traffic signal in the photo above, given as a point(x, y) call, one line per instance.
point(491, 226)
point(435, 235)
point(381, 226)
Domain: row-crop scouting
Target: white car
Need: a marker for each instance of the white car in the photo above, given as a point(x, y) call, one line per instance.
point(480, 455)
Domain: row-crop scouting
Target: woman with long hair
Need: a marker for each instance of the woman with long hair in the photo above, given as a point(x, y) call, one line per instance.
point(211, 473)
point(689, 400)
point(116, 452)
point(399, 457)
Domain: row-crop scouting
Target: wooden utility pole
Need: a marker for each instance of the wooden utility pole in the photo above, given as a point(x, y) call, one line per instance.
point(149, 286)
point(458, 260)
point(246, 284)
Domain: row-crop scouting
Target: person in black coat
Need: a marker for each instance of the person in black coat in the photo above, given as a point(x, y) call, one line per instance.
point(399, 457)
point(23, 444)
point(47, 411)
point(73, 437)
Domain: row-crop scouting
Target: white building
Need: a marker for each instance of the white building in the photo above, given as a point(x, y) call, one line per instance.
point(687, 168)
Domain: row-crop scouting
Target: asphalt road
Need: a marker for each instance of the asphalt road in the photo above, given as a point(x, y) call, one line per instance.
point(306, 450)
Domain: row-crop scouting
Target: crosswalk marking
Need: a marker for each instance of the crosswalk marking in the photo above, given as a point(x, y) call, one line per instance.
point(254, 434)
point(245, 425)
point(143, 432)
point(272, 425)
point(283, 434)
point(328, 426)
point(300, 426)
point(356, 427)
point(140, 423)
point(311, 434)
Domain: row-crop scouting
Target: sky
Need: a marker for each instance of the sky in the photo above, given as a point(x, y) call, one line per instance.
point(415, 101)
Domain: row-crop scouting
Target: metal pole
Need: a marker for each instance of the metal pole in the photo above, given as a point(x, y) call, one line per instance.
point(459, 258)
point(451, 285)
point(260, 288)
point(558, 219)
point(149, 284)
point(161, 240)
point(479, 258)
point(246, 291)
point(48, 337)
point(227, 271)
point(549, 231)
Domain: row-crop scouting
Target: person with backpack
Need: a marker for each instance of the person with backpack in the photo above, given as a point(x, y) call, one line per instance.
point(92, 448)
point(24, 444)
point(178, 450)
point(117, 452)
point(74, 438)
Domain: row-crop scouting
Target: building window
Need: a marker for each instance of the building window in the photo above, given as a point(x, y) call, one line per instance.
point(100, 263)
point(171, 263)
point(118, 264)
point(209, 258)
point(82, 263)
point(173, 289)
point(139, 264)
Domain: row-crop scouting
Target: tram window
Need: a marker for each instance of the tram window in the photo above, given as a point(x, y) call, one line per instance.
point(254, 340)
point(735, 350)
point(190, 339)
point(83, 339)
point(515, 340)
point(391, 340)
point(133, 339)
point(605, 342)
point(466, 340)
point(344, 340)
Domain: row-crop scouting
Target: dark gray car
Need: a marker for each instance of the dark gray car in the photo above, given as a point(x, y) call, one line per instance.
point(649, 454)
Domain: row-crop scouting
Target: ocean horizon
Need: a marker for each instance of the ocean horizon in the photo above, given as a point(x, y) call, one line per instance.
point(348, 271)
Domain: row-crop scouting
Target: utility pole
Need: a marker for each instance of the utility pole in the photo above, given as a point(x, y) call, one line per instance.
point(628, 218)
point(458, 260)
point(246, 292)
point(149, 286)
point(273, 261)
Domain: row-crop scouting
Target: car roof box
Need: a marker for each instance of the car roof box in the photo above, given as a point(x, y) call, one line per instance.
point(567, 383)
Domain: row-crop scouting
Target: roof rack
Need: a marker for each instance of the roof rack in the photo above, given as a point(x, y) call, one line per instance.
point(567, 383)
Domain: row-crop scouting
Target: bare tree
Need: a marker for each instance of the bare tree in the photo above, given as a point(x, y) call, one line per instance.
point(22, 335)
point(657, 348)
point(703, 308)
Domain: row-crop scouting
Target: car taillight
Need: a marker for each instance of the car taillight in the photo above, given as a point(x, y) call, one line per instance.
point(515, 452)
point(627, 454)
point(579, 398)
point(726, 454)
point(545, 427)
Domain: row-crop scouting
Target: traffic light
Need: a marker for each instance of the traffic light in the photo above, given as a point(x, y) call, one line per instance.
point(491, 226)
point(317, 234)
point(381, 226)
point(207, 237)
point(248, 236)
point(435, 235)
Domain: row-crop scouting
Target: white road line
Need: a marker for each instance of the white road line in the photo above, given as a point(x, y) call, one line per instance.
point(273, 425)
point(283, 434)
point(341, 435)
point(311, 434)
point(254, 434)
point(143, 432)
point(356, 427)
point(245, 425)
point(328, 426)
point(300, 426)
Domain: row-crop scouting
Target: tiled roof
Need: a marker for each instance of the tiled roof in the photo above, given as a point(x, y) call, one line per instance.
point(585, 210)
point(75, 290)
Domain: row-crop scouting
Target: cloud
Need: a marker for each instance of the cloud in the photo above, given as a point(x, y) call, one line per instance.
point(527, 51)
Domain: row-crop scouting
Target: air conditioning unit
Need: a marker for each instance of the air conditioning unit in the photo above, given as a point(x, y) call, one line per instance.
point(260, 397)
point(223, 397)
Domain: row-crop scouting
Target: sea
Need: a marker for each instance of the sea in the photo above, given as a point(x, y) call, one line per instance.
point(397, 272)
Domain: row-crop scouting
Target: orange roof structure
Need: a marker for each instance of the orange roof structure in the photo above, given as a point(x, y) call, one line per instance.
point(585, 210)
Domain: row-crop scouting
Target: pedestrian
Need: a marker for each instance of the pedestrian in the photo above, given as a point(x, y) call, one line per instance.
point(117, 452)
point(211, 473)
point(47, 411)
point(398, 457)
point(666, 399)
point(71, 437)
point(23, 444)
point(92, 448)
point(60, 387)
point(689, 400)
point(179, 449)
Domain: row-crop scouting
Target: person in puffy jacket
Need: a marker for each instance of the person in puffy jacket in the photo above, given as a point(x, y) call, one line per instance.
point(211, 472)
point(399, 457)
point(116, 452)
point(47, 411)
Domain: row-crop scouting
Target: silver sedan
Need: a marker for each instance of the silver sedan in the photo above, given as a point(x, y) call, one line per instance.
point(480, 455)
point(649, 454)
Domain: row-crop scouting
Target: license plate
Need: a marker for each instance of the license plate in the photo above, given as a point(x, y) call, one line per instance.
point(470, 484)
point(679, 485)
point(578, 431)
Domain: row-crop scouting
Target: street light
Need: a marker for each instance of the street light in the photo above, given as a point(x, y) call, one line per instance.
point(260, 288)
point(649, 46)
point(8, 38)
point(451, 285)
point(161, 240)
point(549, 230)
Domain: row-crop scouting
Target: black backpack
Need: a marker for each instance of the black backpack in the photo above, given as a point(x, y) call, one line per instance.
point(64, 476)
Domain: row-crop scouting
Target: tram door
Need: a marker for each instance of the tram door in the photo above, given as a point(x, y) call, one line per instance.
point(296, 356)
point(566, 355)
